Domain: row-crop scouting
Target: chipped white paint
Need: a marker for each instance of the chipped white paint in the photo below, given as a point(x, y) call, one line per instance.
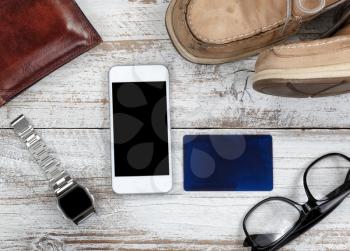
point(175, 221)
point(202, 96)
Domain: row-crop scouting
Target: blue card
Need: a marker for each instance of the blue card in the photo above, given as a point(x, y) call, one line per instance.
point(228, 163)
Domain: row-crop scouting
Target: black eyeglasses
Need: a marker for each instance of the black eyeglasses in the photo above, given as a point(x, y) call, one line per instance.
point(276, 221)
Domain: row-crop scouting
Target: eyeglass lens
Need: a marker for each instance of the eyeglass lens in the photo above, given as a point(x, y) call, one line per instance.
point(271, 221)
point(327, 175)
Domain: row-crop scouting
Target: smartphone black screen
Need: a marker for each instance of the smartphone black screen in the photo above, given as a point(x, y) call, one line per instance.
point(140, 129)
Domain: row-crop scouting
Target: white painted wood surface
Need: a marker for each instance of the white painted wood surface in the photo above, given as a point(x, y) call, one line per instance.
point(71, 105)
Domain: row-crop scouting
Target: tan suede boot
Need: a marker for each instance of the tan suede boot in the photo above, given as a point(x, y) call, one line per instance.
point(308, 69)
point(219, 31)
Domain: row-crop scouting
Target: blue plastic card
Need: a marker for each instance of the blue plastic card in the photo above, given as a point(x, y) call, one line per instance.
point(228, 163)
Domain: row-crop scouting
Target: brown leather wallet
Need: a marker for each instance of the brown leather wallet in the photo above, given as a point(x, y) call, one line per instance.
point(36, 38)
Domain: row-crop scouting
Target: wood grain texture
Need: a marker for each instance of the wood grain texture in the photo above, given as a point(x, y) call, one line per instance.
point(144, 19)
point(127, 19)
point(175, 221)
point(202, 96)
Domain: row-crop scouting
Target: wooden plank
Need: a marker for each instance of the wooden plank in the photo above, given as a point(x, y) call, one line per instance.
point(202, 96)
point(144, 19)
point(175, 221)
point(127, 19)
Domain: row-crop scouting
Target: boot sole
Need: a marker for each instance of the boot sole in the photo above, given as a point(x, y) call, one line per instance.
point(199, 60)
point(312, 82)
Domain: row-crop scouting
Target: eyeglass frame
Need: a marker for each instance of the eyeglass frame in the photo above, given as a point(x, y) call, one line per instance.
point(311, 213)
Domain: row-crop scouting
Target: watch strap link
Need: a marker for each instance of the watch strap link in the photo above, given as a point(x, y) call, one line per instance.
point(59, 179)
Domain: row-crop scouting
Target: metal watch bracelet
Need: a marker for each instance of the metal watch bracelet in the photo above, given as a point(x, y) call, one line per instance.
point(59, 180)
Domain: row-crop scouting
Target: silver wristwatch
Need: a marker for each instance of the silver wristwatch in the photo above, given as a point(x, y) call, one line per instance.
point(75, 201)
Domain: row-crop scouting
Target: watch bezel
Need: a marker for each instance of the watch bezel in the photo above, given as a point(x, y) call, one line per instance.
point(89, 212)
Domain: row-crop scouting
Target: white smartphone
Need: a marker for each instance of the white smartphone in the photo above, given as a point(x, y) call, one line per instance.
point(140, 129)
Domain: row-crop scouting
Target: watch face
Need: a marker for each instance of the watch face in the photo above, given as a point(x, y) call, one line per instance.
point(74, 202)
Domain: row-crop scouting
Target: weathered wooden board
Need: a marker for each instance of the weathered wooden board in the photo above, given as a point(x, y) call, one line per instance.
point(144, 19)
point(201, 96)
point(127, 19)
point(175, 221)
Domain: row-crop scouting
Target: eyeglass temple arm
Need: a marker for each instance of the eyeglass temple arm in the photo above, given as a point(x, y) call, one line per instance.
point(346, 185)
point(336, 191)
